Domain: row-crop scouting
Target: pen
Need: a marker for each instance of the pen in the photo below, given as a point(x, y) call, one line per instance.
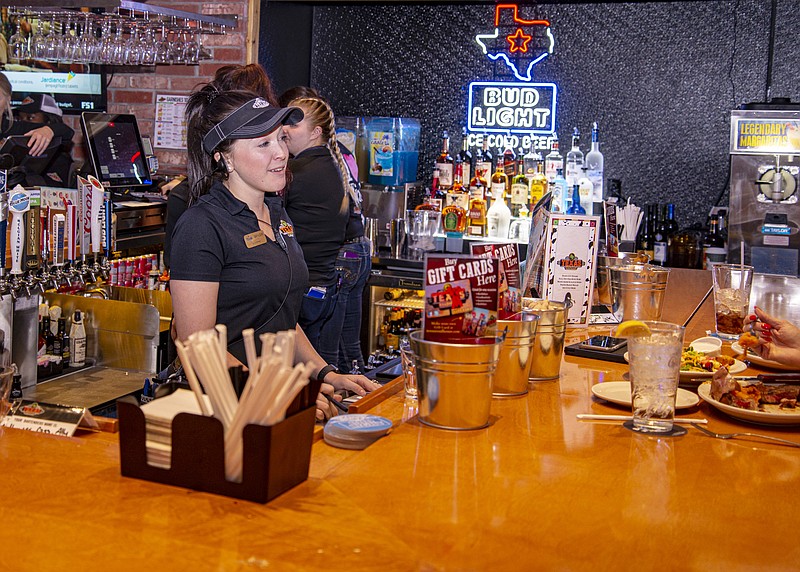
point(589, 416)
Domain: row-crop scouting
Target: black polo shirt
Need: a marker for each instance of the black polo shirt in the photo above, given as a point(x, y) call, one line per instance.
point(316, 203)
point(260, 287)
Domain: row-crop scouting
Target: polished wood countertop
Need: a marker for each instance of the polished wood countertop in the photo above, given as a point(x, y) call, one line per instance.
point(536, 490)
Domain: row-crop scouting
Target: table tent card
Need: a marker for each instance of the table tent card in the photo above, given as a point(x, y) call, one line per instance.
point(510, 303)
point(562, 254)
point(461, 298)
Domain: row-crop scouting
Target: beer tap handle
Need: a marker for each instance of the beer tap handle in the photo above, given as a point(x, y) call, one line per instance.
point(97, 198)
point(3, 221)
point(71, 232)
point(59, 223)
point(18, 204)
point(109, 228)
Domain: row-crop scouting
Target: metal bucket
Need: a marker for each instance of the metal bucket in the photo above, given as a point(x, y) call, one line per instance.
point(516, 356)
point(602, 283)
point(637, 291)
point(454, 382)
point(549, 345)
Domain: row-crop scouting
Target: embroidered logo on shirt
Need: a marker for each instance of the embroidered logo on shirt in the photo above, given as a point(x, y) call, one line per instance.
point(286, 229)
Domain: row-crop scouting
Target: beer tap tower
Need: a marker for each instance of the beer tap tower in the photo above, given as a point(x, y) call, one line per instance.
point(765, 174)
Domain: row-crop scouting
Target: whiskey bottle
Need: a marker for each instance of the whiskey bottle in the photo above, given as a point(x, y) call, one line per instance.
point(509, 167)
point(477, 185)
point(484, 159)
point(476, 217)
point(457, 194)
point(499, 183)
point(538, 184)
point(466, 157)
point(445, 164)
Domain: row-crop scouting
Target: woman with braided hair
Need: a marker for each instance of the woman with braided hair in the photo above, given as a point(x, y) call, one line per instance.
point(317, 201)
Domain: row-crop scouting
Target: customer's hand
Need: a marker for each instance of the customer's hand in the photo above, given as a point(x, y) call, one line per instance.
point(358, 384)
point(325, 409)
point(779, 339)
point(39, 139)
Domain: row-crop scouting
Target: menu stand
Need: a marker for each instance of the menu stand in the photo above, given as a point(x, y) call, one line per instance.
point(275, 459)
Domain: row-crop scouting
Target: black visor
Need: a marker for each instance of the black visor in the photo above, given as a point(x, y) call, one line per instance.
point(254, 119)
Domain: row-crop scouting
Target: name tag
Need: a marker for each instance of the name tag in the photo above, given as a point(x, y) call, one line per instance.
point(255, 239)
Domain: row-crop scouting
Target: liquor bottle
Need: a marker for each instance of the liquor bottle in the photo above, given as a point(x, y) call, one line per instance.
point(576, 207)
point(563, 191)
point(499, 183)
point(672, 224)
point(477, 185)
point(44, 333)
point(77, 335)
point(457, 194)
point(509, 166)
point(466, 156)
point(498, 217)
point(553, 162)
point(531, 159)
point(445, 164)
point(595, 168)
point(538, 183)
point(476, 217)
point(645, 238)
point(714, 251)
point(661, 239)
point(64, 336)
point(520, 189)
point(586, 191)
point(574, 160)
point(16, 387)
point(484, 159)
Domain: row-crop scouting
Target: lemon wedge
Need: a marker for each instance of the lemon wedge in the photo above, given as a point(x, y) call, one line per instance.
point(632, 328)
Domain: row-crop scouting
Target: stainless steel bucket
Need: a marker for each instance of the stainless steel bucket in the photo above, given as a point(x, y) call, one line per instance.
point(549, 345)
point(602, 283)
point(454, 381)
point(516, 356)
point(637, 291)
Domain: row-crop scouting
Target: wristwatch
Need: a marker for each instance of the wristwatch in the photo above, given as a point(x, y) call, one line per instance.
point(325, 371)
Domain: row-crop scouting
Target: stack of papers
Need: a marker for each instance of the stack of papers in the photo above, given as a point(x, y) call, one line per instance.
point(356, 431)
point(158, 415)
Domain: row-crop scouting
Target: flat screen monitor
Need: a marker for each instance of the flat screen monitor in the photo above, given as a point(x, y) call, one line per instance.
point(115, 147)
point(74, 92)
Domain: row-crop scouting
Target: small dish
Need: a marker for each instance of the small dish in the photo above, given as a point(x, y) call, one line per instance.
point(619, 392)
point(736, 367)
point(776, 417)
point(709, 345)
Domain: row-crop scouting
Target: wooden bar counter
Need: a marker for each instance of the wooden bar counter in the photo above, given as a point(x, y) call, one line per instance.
point(537, 490)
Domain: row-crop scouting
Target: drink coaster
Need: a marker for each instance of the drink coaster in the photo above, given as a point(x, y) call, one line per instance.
point(675, 432)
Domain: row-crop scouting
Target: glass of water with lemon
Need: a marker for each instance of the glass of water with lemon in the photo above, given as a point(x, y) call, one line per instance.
point(654, 353)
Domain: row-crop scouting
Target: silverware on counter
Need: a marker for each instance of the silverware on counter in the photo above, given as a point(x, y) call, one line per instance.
point(754, 435)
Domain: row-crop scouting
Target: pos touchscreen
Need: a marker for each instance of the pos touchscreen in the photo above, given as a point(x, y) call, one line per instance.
point(115, 147)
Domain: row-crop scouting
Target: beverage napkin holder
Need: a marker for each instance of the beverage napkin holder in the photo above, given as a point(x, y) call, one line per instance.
point(275, 459)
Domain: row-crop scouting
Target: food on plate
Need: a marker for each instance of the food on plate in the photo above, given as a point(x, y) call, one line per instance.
point(692, 360)
point(753, 396)
point(748, 340)
point(632, 328)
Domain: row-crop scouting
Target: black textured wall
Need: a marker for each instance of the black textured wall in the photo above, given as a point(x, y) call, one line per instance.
point(659, 77)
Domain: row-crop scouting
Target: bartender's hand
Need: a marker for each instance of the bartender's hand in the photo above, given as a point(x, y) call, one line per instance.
point(358, 384)
point(325, 409)
point(39, 139)
point(779, 339)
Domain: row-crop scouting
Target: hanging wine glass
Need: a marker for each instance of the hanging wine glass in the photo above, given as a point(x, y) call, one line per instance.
point(68, 42)
point(149, 47)
point(18, 47)
point(105, 50)
point(88, 44)
point(38, 41)
point(118, 47)
point(190, 45)
point(164, 54)
point(51, 42)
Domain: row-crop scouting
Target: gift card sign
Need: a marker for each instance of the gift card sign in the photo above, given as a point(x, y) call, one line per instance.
point(461, 298)
point(510, 304)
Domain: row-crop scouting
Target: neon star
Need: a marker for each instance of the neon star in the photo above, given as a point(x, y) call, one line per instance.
point(519, 41)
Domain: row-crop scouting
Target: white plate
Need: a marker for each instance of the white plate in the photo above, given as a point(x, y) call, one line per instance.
point(758, 360)
point(737, 367)
point(619, 392)
point(762, 417)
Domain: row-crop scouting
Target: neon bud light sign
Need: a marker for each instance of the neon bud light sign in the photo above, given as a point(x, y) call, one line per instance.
point(514, 107)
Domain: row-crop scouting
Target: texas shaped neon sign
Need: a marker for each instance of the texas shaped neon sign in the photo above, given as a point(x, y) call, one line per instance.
point(530, 39)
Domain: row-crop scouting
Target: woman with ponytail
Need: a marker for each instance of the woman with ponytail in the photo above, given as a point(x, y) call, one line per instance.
point(318, 202)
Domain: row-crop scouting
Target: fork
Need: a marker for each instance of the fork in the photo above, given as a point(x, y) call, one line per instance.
point(733, 435)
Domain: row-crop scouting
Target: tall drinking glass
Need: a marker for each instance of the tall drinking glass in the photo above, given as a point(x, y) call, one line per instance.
point(655, 362)
point(732, 285)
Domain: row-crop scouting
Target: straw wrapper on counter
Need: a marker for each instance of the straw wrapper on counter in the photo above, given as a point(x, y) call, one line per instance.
point(271, 386)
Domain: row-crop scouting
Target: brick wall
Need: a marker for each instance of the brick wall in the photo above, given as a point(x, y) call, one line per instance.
point(134, 91)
